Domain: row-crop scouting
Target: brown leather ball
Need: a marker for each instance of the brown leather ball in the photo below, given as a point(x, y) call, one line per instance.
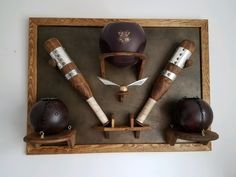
point(193, 115)
point(49, 115)
point(122, 37)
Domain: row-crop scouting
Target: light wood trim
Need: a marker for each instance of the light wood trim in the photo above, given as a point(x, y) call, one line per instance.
point(102, 22)
point(97, 148)
point(205, 63)
point(205, 79)
point(122, 128)
point(32, 69)
point(32, 81)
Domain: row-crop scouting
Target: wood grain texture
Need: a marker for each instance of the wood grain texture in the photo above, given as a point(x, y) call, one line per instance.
point(188, 45)
point(32, 70)
point(79, 83)
point(135, 128)
point(205, 63)
point(205, 78)
point(51, 44)
point(67, 68)
point(162, 84)
point(116, 148)
point(34, 23)
point(123, 128)
point(172, 135)
point(102, 22)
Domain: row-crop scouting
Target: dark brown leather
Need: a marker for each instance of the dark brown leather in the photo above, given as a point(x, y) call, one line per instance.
point(49, 115)
point(193, 115)
point(122, 37)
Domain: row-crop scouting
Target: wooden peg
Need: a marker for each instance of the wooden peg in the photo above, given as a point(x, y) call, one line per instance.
point(102, 65)
point(141, 67)
point(112, 122)
point(106, 135)
point(137, 134)
point(121, 95)
point(170, 138)
point(132, 120)
point(52, 63)
point(188, 63)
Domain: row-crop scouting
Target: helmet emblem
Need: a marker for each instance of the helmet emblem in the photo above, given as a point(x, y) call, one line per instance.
point(123, 36)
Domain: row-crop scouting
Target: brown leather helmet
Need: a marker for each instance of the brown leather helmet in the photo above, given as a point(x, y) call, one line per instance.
point(122, 37)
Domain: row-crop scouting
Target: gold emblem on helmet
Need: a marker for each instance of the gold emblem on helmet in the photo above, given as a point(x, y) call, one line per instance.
point(123, 36)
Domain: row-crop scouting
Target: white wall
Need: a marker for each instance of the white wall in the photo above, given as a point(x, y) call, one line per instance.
point(13, 91)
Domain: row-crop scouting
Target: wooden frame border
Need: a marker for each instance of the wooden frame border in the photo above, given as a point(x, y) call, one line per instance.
point(32, 82)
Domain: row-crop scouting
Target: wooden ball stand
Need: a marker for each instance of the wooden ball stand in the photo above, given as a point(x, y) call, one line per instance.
point(66, 136)
point(203, 137)
point(105, 56)
point(136, 129)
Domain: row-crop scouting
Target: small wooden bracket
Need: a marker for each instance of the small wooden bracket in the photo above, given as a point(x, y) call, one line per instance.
point(131, 128)
point(105, 56)
point(67, 136)
point(204, 138)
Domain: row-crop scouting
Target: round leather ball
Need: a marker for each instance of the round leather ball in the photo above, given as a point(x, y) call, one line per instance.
point(193, 115)
point(49, 115)
point(122, 37)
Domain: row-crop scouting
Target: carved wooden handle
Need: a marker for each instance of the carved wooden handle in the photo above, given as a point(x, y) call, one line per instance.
point(179, 60)
point(78, 81)
point(163, 83)
point(72, 73)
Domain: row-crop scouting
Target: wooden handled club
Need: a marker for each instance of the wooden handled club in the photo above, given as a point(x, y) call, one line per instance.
point(68, 68)
point(179, 60)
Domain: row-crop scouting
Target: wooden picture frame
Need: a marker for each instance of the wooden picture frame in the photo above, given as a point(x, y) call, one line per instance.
point(34, 23)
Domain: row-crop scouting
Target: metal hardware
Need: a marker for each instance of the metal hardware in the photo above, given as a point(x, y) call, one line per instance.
point(71, 74)
point(41, 134)
point(180, 57)
point(170, 75)
point(60, 56)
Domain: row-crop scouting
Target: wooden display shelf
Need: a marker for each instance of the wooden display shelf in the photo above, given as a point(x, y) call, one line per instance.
point(37, 140)
point(203, 138)
point(77, 36)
